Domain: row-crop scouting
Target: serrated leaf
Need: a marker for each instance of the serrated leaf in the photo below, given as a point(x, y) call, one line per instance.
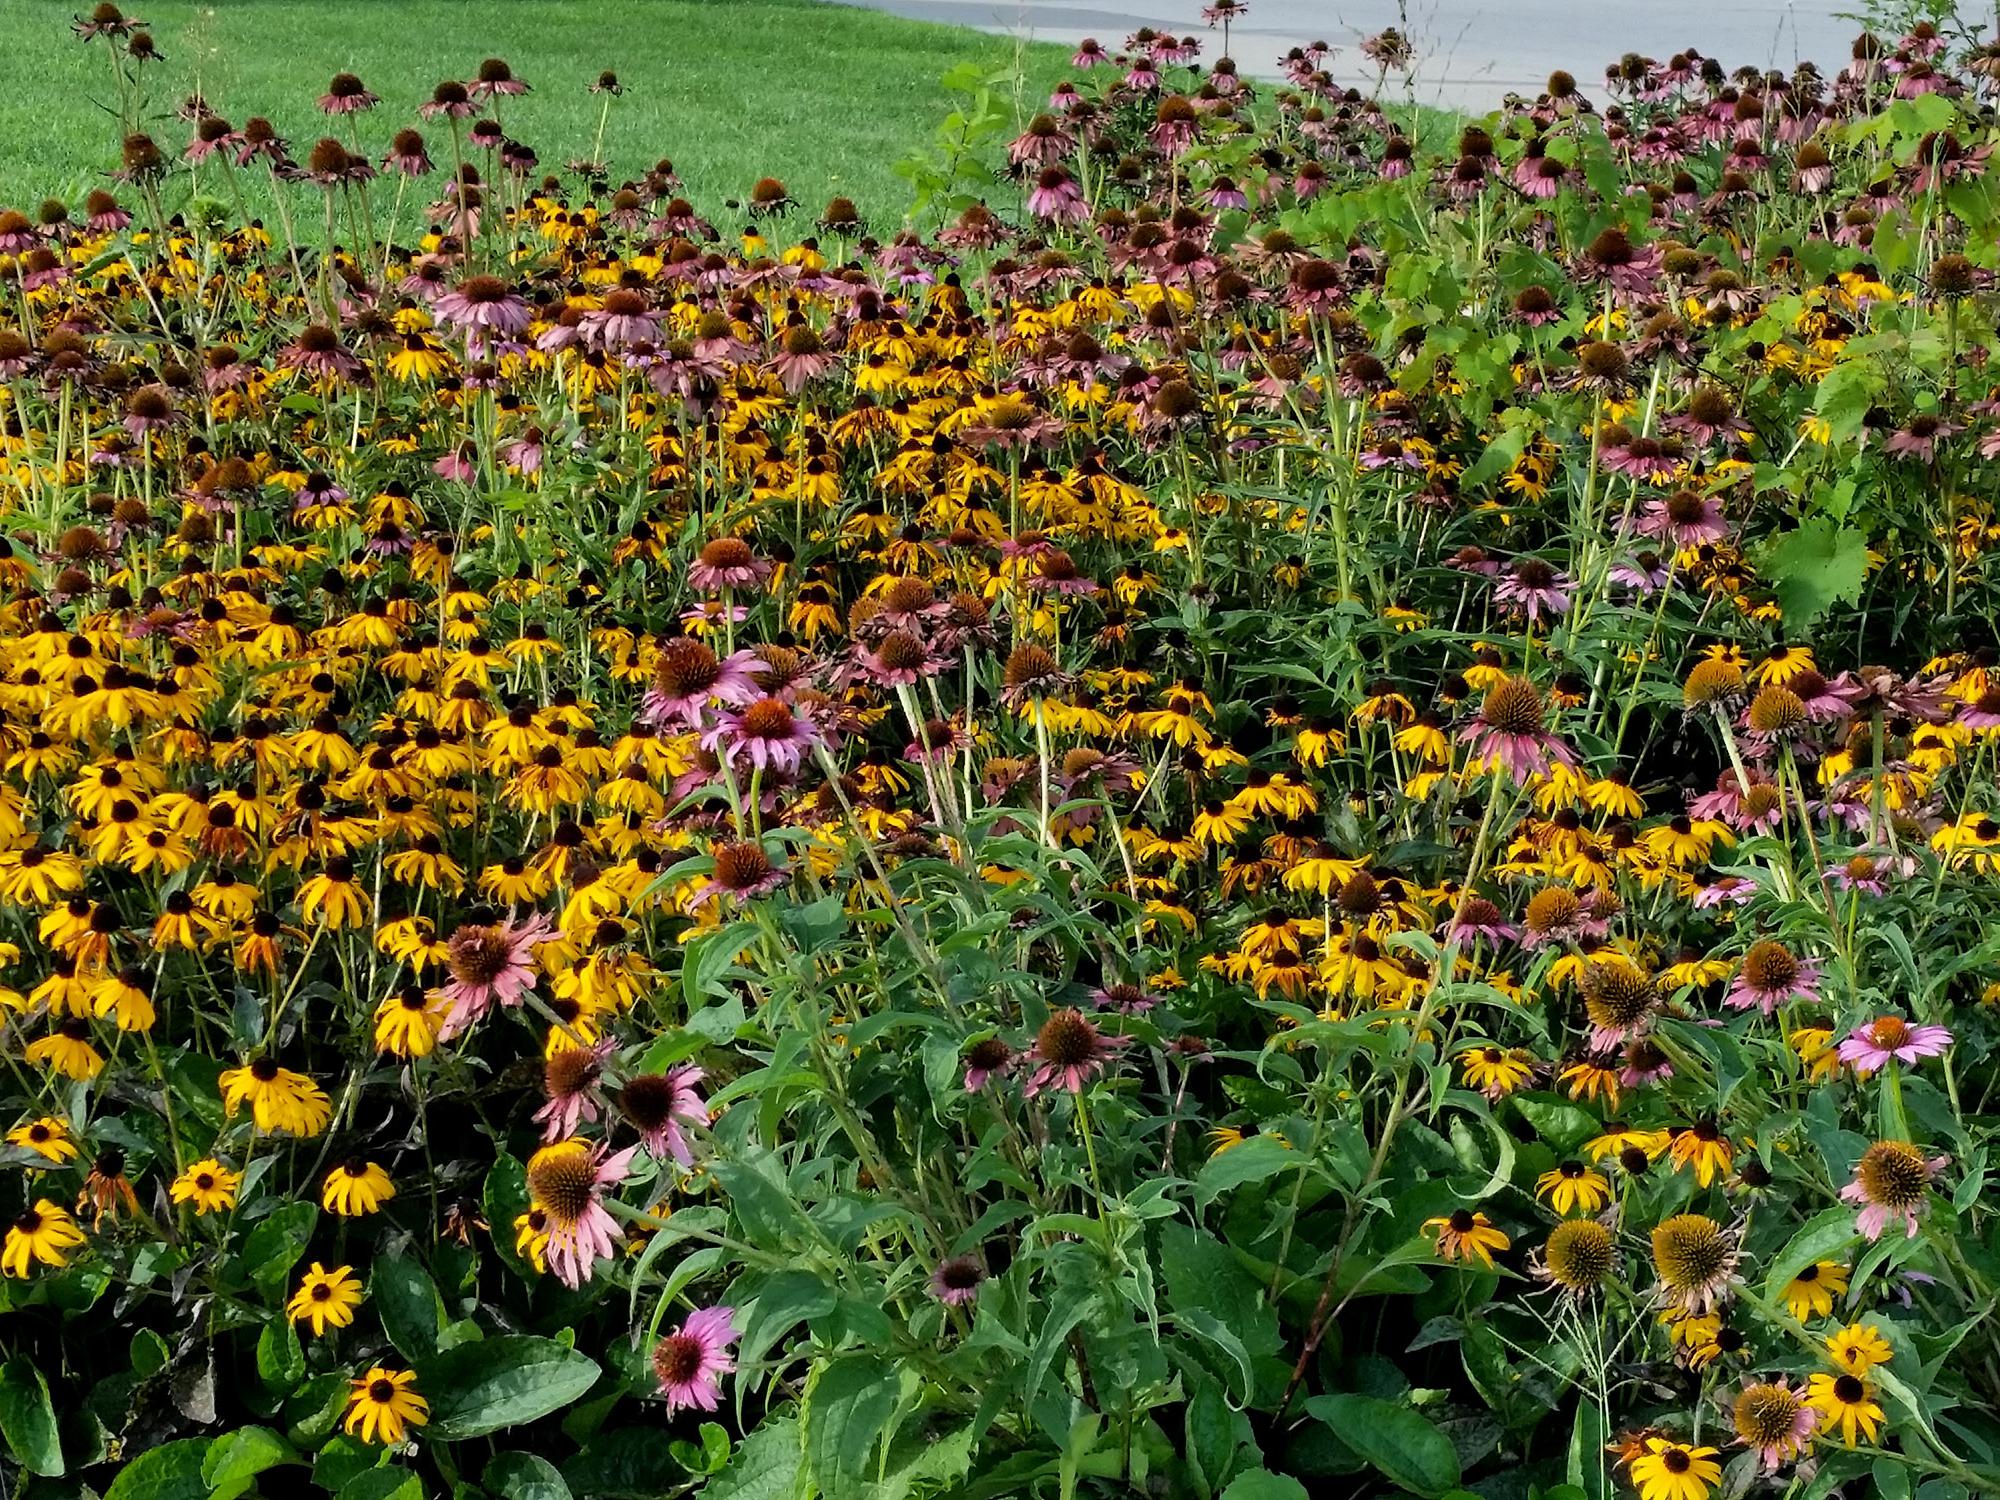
point(1815, 567)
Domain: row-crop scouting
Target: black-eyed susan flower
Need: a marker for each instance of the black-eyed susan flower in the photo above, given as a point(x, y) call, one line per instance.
point(1466, 1235)
point(325, 1299)
point(1812, 1292)
point(1668, 1470)
point(1571, 1187)
point(279, 1099)
point(1846, 1406)
point(356, 1187)
point(208, 1185)
point(43, 1234)
point(383, 1405)
point(47, 1136)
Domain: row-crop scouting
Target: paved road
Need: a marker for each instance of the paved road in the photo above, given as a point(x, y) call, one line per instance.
point(1471, 51)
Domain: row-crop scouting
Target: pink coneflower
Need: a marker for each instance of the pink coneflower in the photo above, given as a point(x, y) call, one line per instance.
point(1537, 175)
point(1127, 999)
point(1686, 518)
point(1090, 53)
point(1888, 1039)
point(802, 357)
point(691, 1361)
point(490, 962)
point(1919, 439)
point(955, 1282)
point(485, 304)
point(148, 409)
point(1892, 1181)
point(1773, 1420)
point(570, 1079)
point(566, 1181)
point(727, 563)
point(1535, 589)
point(346, 95)
point(450, 99)
point(687, 677)
point(1645, 572)
point(659, 1104)
point(407, 155)
point(625, 318)
point(1478, 918)
point(1056, 196)
point(1509, 731)
point(1044, 141)
point(766, 735)
point(984, 1060)
point(212, 137)
point(1770, 976)
point(495, 77)
point(318, 352)
point(1069, 1051)
point(743, 871)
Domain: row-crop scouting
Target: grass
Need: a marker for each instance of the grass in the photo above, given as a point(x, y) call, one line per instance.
point(824, 97)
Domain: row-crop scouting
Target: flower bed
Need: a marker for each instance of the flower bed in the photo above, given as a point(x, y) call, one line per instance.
point(1267, 813)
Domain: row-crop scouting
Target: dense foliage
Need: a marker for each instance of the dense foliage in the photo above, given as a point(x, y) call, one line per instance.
point(1267, 812)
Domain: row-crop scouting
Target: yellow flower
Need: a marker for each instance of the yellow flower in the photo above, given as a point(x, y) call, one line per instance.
point(279, 1099)
point(208, 1185)
point(1494, 1072)
point(1810, 1294)
point(1704, 1148)
point(355, 1188)
point(1845, 1403)
point(1859, 1348)
point(1675, 1471)
point(48, 1137)
point(1464, 1235)
point(384, 1405)
point(43, 1233)
point(1573, 1188)
point(325, 1299)
point(407, 1023)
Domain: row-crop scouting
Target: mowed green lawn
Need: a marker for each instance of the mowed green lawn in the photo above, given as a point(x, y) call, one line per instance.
point(823, 97)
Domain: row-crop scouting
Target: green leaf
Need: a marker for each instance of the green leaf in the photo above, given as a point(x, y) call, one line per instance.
point(1815, 567)
point(523, 1476)
point(236, 1459)
point(412, 1312)
point(766, 1467)
point(1257, 1159)
point(1262, 1484)
point(782, 1302)
point(484, 1386)
point(275, 1245)
point(28, 1418)
point(1399, 1442)
point(382, 1484)
point(281, 1363)
point(171, 1471)
point(848, 1406)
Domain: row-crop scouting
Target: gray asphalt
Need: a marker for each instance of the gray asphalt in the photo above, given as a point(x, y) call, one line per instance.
point(1471, 52)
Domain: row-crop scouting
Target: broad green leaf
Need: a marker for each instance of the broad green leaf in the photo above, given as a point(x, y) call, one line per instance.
point(28, 1418)
point(236, 1459)
point(1262, 1484)
point(382, 1484)
point(1256, 1160)
point(171, 1471)
point(1400, 1443)
point(848, 1407)
point(766, 1467)
point(1815, 567)
point(523, 1476)
point(275, 1245)
point(484, 1386)
point(412, 1312)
